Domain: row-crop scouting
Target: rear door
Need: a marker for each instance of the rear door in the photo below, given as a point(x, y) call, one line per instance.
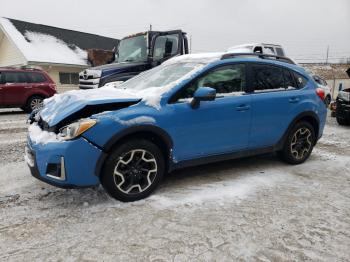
point(274, 98)
point(38, 82)
point(14, 88)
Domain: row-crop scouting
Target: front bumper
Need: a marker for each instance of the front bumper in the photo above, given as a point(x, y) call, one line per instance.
point(68, 164)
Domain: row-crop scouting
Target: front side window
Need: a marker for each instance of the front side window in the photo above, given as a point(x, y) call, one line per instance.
point(267, 78)
point(228, 79)
point(166, 46)
point(133, 49)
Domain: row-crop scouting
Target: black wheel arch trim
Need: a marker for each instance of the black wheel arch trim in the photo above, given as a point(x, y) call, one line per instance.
point(299, 117)
point(134, 130)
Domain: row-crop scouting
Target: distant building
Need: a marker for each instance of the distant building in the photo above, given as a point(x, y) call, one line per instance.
point(60, 52)
point(334, 74)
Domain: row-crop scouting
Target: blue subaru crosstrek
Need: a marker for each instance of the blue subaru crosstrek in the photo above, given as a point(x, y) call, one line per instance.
point(191, 110)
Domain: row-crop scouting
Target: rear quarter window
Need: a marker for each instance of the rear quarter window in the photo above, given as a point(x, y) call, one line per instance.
point(300, 80)
point(36, 77)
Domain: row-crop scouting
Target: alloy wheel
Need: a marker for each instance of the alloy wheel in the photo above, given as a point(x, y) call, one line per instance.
point(135, 171)
point(36, 103)
point(301, 143)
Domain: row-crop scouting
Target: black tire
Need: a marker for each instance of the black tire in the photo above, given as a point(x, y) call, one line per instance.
point(33, 103)
point(293, 152)
point(134, 170)
point(343, 122)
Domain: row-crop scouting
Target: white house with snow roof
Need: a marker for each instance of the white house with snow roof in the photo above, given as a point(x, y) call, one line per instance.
point(62, 53)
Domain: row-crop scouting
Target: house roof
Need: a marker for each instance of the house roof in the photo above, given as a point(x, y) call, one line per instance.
point(329, 71)
point(48, 44)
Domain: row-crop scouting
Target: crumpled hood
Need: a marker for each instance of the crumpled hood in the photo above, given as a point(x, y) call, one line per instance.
point(61, 106)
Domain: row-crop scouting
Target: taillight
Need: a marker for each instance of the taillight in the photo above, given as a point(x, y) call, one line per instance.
point(321, 94)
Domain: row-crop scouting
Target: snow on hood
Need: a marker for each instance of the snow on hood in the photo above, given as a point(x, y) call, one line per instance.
point(44, 48)
point(61, 106)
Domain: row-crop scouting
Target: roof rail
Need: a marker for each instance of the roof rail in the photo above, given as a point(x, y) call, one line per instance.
point(263, 56)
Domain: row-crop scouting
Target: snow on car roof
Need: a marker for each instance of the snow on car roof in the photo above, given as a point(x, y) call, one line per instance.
point(199, 58)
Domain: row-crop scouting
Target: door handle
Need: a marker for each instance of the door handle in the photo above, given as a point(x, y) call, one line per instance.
point(27, 87)
point(294, 100)
point(243, 107)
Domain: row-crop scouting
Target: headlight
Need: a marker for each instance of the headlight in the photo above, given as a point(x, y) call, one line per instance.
point(75, 129)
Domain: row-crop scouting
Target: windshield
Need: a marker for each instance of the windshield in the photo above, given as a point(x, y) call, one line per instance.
point(161, 76)
point(133, 49)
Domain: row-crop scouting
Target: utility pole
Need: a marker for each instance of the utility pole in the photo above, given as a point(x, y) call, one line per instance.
point(150, 27)
point(327, 54)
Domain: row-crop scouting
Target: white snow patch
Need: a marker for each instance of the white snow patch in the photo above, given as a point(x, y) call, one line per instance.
point(44, 48)
point(138, 120)
point(102, 93)
point(38, 136)
point(199, 57)
point(219, 192)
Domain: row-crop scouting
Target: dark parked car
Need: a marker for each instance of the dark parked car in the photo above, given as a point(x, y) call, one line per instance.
point(25, 88)
point(342, 111)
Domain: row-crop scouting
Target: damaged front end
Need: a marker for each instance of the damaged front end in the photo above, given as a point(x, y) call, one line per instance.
point(56, 151)
point(55, 125)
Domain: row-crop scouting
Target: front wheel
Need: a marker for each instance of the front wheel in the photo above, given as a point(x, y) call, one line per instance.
point(299, 144)
point(133, 170)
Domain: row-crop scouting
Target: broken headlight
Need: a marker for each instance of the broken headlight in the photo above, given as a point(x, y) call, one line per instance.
point(75, 129)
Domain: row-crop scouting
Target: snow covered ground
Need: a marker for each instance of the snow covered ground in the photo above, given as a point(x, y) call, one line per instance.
point(254, 209)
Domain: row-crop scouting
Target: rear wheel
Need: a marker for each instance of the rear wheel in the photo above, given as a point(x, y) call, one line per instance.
point(133, 170)
point(299, 144)
point(34, 103)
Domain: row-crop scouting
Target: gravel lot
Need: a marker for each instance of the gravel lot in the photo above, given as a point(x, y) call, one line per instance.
point(253, 209)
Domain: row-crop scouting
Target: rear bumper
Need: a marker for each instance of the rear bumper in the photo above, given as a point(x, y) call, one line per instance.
point(68, 164)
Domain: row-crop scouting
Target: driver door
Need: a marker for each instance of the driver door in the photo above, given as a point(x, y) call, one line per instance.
point(215, 127)
point(167, 45)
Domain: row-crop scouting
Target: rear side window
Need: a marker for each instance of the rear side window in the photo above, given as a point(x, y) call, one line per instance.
point(301, 81)
point(289, 81)
point(14, 77)
point(36, 77)
point(279, 51)
point(267, 78)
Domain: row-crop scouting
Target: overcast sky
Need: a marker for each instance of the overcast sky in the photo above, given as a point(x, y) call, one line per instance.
point(304, 27)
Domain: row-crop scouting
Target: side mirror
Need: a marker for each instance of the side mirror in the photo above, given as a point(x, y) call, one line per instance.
point(203, 94)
